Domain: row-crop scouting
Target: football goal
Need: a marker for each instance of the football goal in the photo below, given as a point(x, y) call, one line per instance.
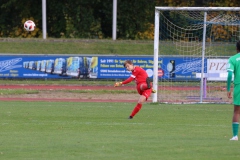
point(191, 50)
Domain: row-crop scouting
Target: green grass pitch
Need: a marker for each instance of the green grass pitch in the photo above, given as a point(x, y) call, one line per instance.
point(101, 131)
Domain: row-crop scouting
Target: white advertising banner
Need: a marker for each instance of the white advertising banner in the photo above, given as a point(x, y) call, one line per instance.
point(217, 69)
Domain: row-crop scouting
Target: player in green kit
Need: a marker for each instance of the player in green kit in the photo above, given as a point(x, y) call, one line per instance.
point(234, 69)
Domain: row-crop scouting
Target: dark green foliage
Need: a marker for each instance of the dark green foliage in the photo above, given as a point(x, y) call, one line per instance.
point(56, 20)
point(12, 12)
point(76, 19)
point(84, 19)
point(132, 15)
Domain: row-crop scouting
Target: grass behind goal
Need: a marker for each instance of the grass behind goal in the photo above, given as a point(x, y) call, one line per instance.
point(100, 47)
point(58, 130)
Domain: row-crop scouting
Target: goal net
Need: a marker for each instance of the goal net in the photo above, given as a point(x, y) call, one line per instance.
point(191, 50)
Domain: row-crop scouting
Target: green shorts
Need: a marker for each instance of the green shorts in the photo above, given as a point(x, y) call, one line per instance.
point(236, 94)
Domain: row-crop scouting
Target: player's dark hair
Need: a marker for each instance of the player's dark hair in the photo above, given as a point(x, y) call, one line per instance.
point(127, 62)
point(238, 46)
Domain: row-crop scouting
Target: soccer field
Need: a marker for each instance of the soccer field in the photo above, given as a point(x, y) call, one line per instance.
point(101, 131)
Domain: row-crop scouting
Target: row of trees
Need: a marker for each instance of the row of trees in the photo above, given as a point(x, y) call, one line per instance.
point(89, 18)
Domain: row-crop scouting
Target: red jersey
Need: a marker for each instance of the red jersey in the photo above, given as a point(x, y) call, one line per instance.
point(139, 74)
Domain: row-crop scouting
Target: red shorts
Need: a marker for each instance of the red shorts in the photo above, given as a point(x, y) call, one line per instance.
point(146, 93)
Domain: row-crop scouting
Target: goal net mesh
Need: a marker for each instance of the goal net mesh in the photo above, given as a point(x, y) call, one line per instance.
point(181, 36)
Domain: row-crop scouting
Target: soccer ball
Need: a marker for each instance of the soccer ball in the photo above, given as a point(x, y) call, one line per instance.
point(29, 25)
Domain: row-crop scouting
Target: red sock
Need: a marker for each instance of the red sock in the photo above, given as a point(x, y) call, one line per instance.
point(136, 109)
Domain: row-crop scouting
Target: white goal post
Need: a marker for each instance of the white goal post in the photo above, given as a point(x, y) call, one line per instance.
point(204, 21)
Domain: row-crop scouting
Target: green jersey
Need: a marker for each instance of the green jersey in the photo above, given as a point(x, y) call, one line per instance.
point(234, 66)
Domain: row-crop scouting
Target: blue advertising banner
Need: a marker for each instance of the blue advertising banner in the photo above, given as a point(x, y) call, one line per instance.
point(43, 66)
point(182, 67)
point(110, 67)
point(168, 67)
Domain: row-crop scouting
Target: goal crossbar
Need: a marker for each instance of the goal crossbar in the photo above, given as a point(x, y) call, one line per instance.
point(198, 8)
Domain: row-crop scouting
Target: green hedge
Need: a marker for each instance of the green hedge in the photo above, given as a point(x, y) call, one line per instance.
point(88, 19)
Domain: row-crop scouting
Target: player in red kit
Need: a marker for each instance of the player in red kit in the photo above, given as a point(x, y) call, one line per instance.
point(143, 84)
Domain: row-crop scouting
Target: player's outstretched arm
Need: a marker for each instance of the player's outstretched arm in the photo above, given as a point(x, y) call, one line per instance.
point(130, 79)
